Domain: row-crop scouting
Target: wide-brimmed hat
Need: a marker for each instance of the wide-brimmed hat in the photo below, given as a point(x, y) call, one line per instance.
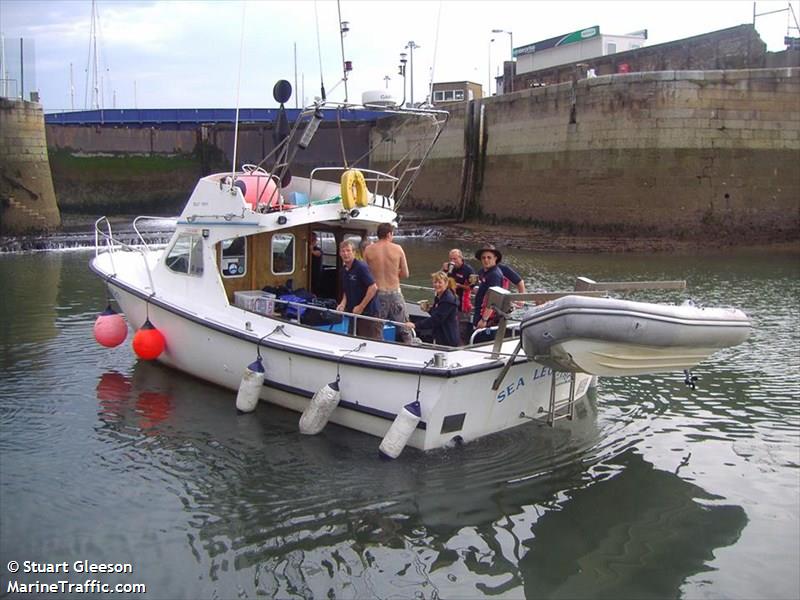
point(489, 248)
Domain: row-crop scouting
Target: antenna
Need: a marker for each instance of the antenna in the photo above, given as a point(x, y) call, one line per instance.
point(3, 68)
point(344, 27)
point(319, 52)
point(435, 49)
point(238, 85)
point(71, 89)
point(295, 75)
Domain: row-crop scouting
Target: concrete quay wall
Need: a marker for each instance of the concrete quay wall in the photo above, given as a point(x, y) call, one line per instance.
point(673, 152)
point(133, 169)
point(27, 198)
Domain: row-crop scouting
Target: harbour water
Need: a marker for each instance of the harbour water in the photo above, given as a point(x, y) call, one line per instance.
point(655, 490)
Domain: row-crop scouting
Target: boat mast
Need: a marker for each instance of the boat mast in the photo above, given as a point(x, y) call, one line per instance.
point(343, 29)
point(92, 102)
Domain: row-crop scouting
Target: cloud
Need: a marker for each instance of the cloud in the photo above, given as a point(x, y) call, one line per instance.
point(186, 54)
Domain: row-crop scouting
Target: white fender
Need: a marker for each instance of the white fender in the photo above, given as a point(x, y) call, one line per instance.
point(250, 387)
point(400, 432)
point(319, 410)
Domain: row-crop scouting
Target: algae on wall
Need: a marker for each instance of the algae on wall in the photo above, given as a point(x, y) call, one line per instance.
point(123, 183)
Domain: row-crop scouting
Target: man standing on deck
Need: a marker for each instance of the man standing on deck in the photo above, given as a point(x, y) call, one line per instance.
point(489, 276)
point(512, 277)
point(387, 263)
point(359, 291)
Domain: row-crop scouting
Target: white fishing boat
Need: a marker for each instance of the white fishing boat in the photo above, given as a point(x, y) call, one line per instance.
point(243, 231)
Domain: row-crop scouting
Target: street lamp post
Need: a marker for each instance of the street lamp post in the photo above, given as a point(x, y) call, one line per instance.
point(489, 70)
point(511, 49)
point(402, 73)
point(411, 46)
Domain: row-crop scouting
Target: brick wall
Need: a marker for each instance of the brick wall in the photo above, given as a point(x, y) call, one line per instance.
point(27, 199)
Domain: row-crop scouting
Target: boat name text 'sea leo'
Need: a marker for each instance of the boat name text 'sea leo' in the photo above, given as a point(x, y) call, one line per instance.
point(539, 373)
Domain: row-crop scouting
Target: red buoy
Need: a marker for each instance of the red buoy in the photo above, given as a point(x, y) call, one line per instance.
point(148, 343)
point(110, 329)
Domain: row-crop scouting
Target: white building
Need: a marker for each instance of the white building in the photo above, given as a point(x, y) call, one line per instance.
point(573, 47)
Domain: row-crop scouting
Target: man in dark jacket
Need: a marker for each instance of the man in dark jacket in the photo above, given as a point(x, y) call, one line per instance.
point(489, 276)
point(359, 290)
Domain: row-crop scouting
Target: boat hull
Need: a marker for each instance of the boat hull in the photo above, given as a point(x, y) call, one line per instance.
point(458, 402)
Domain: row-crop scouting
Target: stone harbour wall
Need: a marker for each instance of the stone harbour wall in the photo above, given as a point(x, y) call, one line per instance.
point(683, 153)
point(27, 198)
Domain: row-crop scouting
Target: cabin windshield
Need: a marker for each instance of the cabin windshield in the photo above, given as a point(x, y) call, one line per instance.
point(186, 255)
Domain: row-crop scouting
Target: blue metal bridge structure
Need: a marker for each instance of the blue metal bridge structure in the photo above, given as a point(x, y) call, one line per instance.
point(192, 117)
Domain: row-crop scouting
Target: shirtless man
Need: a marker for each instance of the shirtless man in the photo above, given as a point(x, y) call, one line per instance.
point(387, 263)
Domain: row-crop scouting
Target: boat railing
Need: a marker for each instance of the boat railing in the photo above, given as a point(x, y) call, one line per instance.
point(302, 306)
point(371, 176)
point(104, 237)
point(139, 233)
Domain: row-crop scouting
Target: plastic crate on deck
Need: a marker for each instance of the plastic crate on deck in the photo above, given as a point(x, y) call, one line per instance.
point(291, 311)
point(255, 301)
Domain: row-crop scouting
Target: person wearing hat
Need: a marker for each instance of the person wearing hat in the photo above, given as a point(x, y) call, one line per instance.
point(490, 275)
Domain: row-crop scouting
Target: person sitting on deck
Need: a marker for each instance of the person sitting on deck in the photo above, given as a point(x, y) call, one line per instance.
point(444, 312)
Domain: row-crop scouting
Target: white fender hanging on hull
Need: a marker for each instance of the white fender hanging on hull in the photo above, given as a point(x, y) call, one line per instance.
point(400, 432)
point(250, 387)
point(319, 410)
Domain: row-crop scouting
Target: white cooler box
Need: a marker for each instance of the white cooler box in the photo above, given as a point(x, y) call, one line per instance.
point(256, 301)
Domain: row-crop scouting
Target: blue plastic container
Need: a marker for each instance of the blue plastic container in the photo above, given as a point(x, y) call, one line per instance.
point(389, 332)
point(292, 311)
point(342, 327)
point(297, 198)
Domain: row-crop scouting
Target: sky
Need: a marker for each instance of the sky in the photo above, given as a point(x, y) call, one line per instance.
point(220, 53)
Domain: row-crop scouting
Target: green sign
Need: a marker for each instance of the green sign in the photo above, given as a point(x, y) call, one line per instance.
point(560, 40)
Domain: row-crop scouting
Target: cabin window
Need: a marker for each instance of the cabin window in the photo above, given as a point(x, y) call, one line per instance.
point(611, 48)
point(438, 96)
point(282, 253)
point(186, 254)
point(234, 257)
point(459, 94)
point(359, 240)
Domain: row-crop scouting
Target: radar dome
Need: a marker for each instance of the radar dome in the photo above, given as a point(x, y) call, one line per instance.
point(378, 98)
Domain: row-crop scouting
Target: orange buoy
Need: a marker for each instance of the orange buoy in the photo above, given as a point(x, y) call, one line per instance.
point(110, 329)
point(148, 343)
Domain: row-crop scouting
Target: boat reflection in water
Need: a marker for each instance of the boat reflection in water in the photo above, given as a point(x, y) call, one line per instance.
point(537, 511)
point(117, 395)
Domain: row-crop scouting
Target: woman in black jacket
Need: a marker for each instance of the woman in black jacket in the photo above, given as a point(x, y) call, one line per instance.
point(444, 313)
